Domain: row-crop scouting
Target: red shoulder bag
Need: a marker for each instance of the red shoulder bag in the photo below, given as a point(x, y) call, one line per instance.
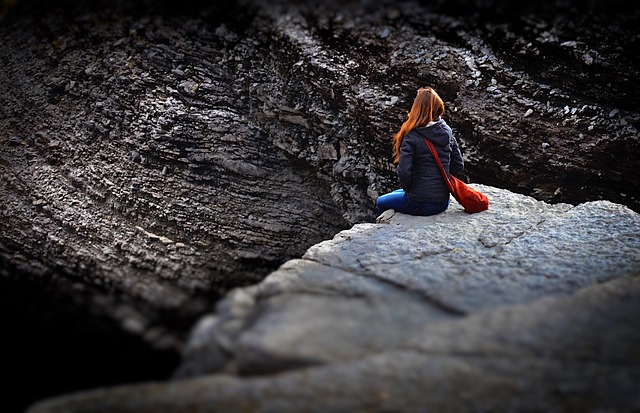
point(469, 198)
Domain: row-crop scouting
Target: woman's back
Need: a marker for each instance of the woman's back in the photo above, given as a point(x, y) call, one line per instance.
point(417, 170)
point(424, 191)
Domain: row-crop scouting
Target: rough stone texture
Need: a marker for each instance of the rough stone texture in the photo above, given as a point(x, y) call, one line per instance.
point(527, 307)
point(155, 154)
point(160, 155)
point(371, 285)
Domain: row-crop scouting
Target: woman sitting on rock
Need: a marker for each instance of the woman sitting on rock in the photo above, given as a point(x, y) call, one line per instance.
point(424, 191)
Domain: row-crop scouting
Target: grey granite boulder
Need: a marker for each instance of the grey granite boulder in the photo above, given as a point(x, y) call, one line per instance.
point(567, 353)
point(526, 307)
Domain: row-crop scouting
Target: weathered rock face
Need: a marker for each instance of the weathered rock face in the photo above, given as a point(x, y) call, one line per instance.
point(527, 307)
point(369, 287)
point(156, 154)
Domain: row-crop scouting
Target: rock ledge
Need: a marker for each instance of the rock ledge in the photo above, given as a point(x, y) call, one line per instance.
point(526, 307)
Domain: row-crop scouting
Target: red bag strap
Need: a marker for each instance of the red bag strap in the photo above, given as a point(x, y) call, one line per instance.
point(437, 158)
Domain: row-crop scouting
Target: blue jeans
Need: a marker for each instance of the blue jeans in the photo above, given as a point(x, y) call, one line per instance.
point(400, 203)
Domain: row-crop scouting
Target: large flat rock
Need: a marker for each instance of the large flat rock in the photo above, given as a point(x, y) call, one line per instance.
point(527, 307)
point(563, 353)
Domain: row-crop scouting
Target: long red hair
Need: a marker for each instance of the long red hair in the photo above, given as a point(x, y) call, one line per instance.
point(427, 107)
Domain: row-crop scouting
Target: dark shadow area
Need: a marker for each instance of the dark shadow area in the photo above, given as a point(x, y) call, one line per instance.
point(53, 345)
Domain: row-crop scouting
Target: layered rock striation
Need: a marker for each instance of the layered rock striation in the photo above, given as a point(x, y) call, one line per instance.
point(184, 145)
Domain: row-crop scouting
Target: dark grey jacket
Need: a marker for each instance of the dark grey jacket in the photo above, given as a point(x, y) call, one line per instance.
point(418, 172)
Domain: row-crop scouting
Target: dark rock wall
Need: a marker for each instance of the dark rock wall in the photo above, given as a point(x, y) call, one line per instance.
point(156, 154)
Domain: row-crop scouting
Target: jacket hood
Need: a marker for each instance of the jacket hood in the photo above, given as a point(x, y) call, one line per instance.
point(436, 132)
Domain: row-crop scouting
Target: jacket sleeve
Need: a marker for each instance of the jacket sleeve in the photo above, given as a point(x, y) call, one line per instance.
point(405, 165)
point(457, 164)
